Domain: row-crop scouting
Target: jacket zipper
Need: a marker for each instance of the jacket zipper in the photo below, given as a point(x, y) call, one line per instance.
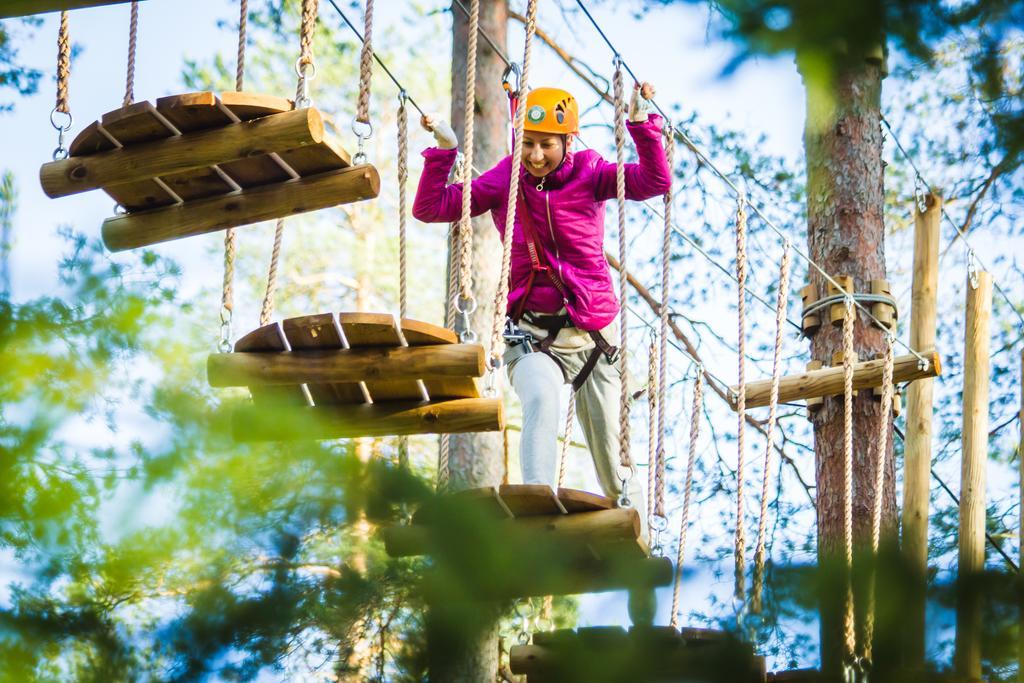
point(551, 230)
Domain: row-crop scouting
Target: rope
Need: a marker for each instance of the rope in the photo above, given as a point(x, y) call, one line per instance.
point(243, 21)
point(567, 439)
point(620, 197)
point(469, 113)
point(741, 399)
point(505, 456)
point(513, 192)
point(652, 435)
point(876, 512)
point(275, 255)
point(133, 33)
point(442, 462)
point(365, 66)
point(848, 618)
point(403, 177)
point(666, 248)
point(773, 404)
point(698, 406)
point(63, 65)
point(310, 9)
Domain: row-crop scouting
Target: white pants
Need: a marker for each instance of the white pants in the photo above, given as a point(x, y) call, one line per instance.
point(537, 381)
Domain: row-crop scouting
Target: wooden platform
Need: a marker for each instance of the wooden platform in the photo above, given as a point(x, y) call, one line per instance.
point(524, 540)
point(18, 8)
point(194, 163)
point(402, 394)
point(649, 653)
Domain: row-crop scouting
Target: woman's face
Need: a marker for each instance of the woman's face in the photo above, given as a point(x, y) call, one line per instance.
point(542, 152)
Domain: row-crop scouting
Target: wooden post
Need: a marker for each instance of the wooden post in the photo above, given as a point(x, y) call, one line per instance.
point(290, 130)
point(21, 8)
point(917, 446)
point(972, 473)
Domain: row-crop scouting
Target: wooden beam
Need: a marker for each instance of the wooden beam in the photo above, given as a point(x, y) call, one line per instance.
point(276, 133)
point(829, 381)
point(198, 217)
point(24, 8)
point(917, 445)
point(272, 423)
point(323, 366)
point(612, 527)
point(977, 368)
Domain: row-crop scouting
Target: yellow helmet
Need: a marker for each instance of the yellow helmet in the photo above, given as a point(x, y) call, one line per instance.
point(552, 110)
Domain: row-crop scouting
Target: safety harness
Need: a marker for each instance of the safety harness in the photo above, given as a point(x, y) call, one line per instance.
point(552, 324)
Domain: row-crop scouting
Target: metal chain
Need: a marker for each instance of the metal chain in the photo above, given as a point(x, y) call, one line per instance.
point(773, 404)
point(365, 66)
point(625, 460)
point(267, 310)
point(739, 546)
point(133, 33)
point(500, 297)
point(567, 438)
point(884, 430)
point(691, 458)
point(849, 629)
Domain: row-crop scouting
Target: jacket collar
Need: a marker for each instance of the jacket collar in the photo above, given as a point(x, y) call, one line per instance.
point(552, 180)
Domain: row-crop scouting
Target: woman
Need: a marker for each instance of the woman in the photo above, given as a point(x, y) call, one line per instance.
point(560, 289)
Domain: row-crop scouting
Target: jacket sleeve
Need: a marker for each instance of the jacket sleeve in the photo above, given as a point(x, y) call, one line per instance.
point(650, 177)
point(438, 202)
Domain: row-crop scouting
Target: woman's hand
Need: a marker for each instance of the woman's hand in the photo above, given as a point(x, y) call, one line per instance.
point(443, 133)
point(638, 102)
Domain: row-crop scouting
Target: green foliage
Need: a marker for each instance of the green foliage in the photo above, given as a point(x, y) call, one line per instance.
point(14, 75)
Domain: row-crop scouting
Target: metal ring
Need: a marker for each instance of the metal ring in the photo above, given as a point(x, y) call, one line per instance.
point(659, 523)
point(629, 469)
point(471, 301)
point(468, 336)
point(369, 129)
point(300, 69)
point(403, 97)
point(54, 123)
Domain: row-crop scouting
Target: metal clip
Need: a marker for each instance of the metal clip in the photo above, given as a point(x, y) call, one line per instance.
point(362, 135)
point(224, 345)
point(61, 152)
point(972, 268)
point(464, 308)
point(624, 479)
point(302, 99)
point(920, 196)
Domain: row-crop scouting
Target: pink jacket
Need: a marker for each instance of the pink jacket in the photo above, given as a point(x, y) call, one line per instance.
point(568, 214)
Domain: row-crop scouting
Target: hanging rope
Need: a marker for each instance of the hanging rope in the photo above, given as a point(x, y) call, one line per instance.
point(243, 22)
point(469, 113)
point(403, 177)
point(652, 433)
point(663, 314)
point(310, 9)
point(567, 439)
point(773, 405)
point(625, 461)
point(133, 32)
point(442, 462)
point(691, 457)
point(501, 295)
point(63, 65)
point(849, 629)
point(63, 104)
point(739, 548)
point(365, 66)
point(275, 255)
point(881, 461)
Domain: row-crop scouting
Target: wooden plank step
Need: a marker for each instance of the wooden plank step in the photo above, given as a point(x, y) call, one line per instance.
point(526, 500)
point(378, 329)
point(323, 332)
point(417, 333)
point(271, 338)
point(251, 423)
point(135, 123)
point(249, 206)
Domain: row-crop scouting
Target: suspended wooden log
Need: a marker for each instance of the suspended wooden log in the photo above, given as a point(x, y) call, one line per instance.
point(642, 654)
point(346, 365)
point(23, 8)
point(259, 423)
point(810, 322)
point(169, 155)
point(250, 206)
point(829, 381)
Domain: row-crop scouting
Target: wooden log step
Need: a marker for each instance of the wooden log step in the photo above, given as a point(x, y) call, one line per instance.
point(271, 338)
point(363, 330)
point(617, 526)
point(345, 365)
point(829, 381)
point(322, 332)
point(176, 153)
point(24, 8)
point(250, 206)
point(256, 423)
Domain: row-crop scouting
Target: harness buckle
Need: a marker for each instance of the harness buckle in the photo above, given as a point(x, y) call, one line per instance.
point(514, 336)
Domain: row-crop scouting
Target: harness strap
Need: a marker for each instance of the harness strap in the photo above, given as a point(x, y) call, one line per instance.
point(537, 264)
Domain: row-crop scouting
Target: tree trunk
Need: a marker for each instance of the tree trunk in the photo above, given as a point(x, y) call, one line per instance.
point(469, 651)
point(845, 235)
